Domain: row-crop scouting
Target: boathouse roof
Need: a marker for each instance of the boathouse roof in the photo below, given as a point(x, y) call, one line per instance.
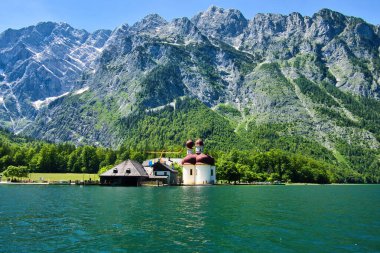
point(127, 168)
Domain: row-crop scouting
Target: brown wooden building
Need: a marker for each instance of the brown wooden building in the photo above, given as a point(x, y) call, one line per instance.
point(127, 173)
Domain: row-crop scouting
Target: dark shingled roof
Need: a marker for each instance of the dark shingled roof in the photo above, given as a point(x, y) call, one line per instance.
point(164, 167)
point(127, 168)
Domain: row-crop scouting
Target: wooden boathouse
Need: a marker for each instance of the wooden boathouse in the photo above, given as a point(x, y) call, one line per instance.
point(127, 173)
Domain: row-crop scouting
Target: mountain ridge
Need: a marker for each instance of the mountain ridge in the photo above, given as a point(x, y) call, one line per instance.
point(42, 61)
point(289, 77)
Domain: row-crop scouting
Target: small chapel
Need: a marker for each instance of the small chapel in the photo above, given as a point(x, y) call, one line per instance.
point(198, 168)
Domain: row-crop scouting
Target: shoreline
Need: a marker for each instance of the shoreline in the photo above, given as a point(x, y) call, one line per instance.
point(284, 184)
point(21, 183)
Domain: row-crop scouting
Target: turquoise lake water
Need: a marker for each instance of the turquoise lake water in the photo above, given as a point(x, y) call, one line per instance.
point(320, 218)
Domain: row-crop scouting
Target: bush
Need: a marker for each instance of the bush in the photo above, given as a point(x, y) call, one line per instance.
point(16, 171)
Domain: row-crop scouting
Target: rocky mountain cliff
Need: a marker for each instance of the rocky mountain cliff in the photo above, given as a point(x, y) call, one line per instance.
point(40, 63)
point(282, 81)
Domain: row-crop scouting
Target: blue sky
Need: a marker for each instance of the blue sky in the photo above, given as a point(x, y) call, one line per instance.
point(96, 14)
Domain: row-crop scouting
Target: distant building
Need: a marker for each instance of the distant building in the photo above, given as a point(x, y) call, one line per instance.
point(198, 168)
point(127, 173)
point(161, 169)
point(166, 171)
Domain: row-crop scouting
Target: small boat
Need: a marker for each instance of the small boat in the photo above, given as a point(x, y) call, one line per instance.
point(278, 183)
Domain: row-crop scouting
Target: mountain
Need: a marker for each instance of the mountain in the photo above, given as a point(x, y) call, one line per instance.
point(40, 63)
point(303, 84)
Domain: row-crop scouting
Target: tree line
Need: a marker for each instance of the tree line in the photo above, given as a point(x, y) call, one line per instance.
point(232, 166)
point(275, 164)
point(64, 158)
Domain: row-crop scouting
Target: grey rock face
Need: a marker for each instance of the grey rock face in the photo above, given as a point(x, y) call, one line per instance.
point(42, 61)
point(219, 23)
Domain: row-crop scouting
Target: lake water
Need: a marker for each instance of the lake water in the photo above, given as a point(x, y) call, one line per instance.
point(320, 218)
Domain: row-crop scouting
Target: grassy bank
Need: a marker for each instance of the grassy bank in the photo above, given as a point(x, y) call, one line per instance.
point(59, 176)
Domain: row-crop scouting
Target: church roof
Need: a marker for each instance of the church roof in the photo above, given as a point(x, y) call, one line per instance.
point(205, 159)
point(190, 159)
point(198, 159)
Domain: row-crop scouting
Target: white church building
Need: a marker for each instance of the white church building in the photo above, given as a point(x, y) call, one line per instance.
point(198, 168)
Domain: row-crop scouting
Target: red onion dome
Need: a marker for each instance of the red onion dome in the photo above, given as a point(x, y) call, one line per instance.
point(189, 159)
point(190, 144)
point(205, 159)
point(199, 142)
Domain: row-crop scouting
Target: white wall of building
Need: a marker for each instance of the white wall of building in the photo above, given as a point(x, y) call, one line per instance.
point(186, 177)
point(201, 174)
